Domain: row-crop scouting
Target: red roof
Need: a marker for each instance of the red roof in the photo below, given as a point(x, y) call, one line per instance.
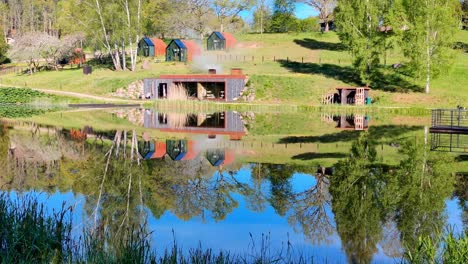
point(230, 40)
point(192, 49)
point(160, 150)
point(352, 88)
point(191, 152)
point(229, 157)
point(201, 76)
point(159, 47)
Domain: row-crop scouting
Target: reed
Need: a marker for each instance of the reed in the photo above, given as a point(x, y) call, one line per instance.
point(178, 92)
point(449, 248)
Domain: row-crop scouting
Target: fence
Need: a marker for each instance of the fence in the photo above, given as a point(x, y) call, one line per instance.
point(449, 130)
point(263, 59)
point(450, 118)
point(11, 70)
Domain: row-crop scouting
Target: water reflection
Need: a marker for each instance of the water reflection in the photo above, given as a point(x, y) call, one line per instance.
point(371, 205)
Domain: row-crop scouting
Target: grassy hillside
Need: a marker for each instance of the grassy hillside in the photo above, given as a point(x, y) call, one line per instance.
point(283, 68)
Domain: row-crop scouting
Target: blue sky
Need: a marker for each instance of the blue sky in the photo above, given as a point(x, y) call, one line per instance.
point(301, 11)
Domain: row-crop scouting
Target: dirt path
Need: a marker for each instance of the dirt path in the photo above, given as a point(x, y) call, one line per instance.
point(81, 95)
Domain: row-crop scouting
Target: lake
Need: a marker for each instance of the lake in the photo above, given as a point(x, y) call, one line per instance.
point(341, 187)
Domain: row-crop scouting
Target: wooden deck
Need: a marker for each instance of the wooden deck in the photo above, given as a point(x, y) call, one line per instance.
point(449, 130)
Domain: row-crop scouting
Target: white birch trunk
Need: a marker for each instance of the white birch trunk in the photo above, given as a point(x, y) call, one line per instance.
point(115, 57)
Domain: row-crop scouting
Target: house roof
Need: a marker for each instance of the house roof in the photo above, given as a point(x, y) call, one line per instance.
point(191, 151)
point(148, 41)
point(352, 88)
point(230, 40)
point(179, 43)
point(160, 150)
point(219, 35)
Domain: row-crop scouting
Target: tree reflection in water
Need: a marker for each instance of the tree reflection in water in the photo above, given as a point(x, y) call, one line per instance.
point(367, 195)
point(371, 203)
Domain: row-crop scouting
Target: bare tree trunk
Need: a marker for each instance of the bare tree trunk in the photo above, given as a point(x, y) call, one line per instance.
point(124, 59)
point(114, 56)
point(428, 57)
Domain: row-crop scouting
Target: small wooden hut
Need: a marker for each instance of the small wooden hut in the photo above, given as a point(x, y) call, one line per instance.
point(181, 50)
point(352, 95)
point(176, 149)
point(220, 41)
point(151, 47)
point(145, 47)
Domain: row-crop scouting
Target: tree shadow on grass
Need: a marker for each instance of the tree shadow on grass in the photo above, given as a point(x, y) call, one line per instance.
point(319, 45)
point(342, 73)
point(390, 82)
point(461, 46)
point(312, 155)
point(376, 133)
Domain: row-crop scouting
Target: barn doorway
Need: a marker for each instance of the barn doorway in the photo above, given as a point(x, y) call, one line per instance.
point(162, 90)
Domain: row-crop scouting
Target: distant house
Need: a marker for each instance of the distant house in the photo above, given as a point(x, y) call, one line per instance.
point(151, 47)
point(323, 24)
point(220, 41)
point(181, 50)
point(77, 57)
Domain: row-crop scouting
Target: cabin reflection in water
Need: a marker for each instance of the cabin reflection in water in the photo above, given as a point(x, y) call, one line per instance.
point(219, 123)
point(348, 122)
point(182, 149)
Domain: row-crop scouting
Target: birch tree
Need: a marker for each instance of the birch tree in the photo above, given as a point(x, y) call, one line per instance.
point(324, 7)
point(427, 29)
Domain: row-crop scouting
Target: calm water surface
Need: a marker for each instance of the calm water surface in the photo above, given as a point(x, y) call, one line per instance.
point(229, 180)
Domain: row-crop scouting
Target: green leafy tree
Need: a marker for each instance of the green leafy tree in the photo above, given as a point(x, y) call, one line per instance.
point(358, 22)
point(283, 16)
point(425, 182)
point(3, 51)
point(359, 195)
point(464, 7)
point(427, 29)
point(261, 17)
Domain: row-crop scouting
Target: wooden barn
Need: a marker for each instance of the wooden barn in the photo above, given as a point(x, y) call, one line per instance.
point(181, 50)
point(212, 86)
point(151, 47)
point(220, 41)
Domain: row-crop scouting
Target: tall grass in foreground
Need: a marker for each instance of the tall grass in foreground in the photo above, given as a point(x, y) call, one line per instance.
point(31, 234)
point(454, 249)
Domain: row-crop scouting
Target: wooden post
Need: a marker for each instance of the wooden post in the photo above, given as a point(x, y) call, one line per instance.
point(274, 58)
point(302, 60)
point(287, 59)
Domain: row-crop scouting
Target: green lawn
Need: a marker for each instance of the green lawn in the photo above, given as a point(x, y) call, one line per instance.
point(283, 68)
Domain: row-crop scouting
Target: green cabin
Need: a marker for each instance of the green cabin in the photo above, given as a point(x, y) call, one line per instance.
point(216, 41)
point(215, 156)
point(176, 51)
point(146, 47)
point(176, 149)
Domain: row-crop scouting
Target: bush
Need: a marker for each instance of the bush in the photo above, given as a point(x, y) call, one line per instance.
point(19, 95)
